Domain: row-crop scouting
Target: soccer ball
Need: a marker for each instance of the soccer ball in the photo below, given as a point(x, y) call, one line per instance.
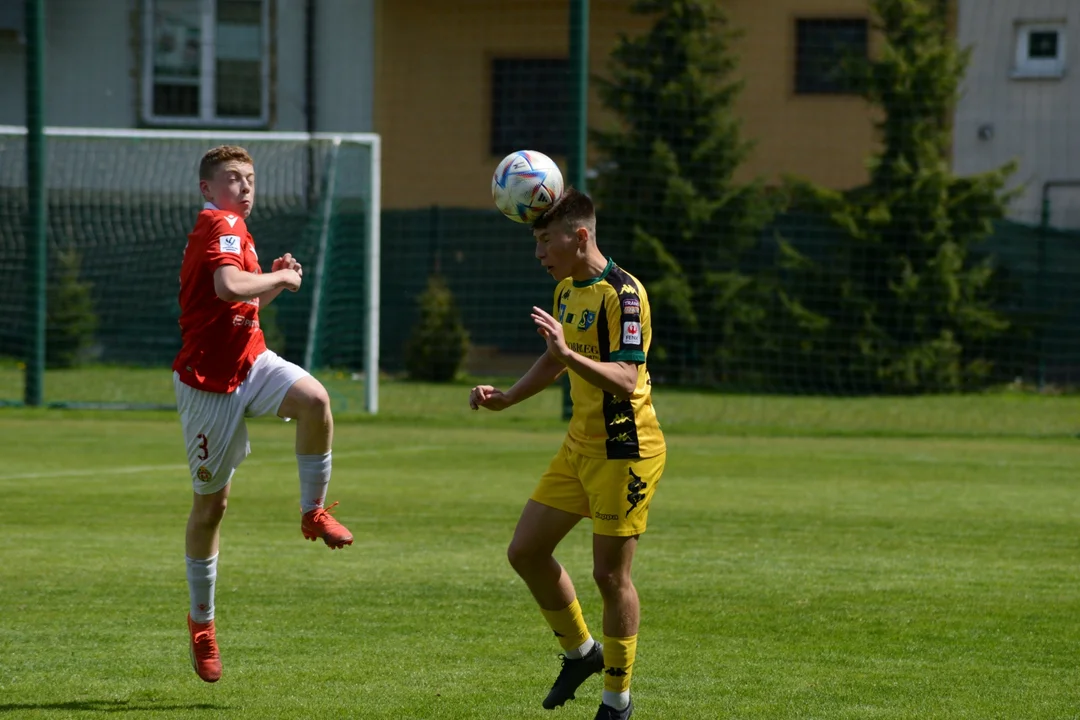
point(525, 184)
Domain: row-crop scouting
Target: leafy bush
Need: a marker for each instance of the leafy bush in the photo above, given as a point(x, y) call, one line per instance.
point(439, 342)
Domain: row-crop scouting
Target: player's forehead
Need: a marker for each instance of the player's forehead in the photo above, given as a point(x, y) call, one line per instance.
point(234, 167)
point(551, 232)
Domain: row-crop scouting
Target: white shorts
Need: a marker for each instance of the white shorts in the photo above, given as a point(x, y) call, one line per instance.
point(214, 427)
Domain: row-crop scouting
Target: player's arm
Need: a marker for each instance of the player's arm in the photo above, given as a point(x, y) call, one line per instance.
point(235, 285)
point(615, 378)
point(618, 378)
point(544, 371)
point(618, 375)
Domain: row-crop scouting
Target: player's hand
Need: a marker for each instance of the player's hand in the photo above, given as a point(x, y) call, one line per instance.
point(287, 262)
point(485, 396)
point(289, 279)
point(551, 330)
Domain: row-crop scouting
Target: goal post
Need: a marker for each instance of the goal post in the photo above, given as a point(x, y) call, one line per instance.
point(120, 205)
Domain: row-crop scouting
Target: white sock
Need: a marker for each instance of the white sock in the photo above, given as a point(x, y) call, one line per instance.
point(582, 649)
point(314, 479)
point(619, 700)
point(201, 577)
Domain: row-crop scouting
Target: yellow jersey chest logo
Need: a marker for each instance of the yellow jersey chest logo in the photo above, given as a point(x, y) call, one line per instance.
point(575, 314)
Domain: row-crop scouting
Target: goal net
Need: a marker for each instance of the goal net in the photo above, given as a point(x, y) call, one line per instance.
point(120, 205)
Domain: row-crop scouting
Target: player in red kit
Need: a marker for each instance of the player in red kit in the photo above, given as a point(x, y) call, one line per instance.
point(224, 373)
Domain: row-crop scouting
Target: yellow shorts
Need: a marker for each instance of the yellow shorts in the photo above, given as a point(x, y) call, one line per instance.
point(615, 493)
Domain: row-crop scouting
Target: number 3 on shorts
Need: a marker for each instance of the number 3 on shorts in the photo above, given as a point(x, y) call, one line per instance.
point(204, 451)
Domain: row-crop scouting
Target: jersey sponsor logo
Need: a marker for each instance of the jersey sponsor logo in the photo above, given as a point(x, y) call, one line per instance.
point(230, 244)
point(631, 306)
point(231, 219)
point(562, 311)
point(584, 349)
point(628, 289)
point(588, 317)
point(631, 333)
point(240, 320)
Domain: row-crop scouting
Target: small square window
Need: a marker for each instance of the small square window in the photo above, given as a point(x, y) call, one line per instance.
point(822, 45)
point(1040, 50)
point(522, 118)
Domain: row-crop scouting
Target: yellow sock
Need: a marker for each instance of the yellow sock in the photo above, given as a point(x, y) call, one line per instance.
point(568, 625)
point(618, 664)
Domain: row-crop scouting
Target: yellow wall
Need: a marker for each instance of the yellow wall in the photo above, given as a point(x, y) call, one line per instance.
point(433, 89)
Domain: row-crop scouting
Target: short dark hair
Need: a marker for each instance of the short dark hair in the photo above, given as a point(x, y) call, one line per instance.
point(573, 208)
point(220, 155)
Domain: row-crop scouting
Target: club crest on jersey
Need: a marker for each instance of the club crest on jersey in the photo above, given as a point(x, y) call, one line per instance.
point(631, 333)
point(230, 244)
point(587, 319)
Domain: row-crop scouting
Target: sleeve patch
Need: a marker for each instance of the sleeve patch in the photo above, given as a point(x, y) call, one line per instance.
point(230, 244)
point(631, 306)
point(631, 334)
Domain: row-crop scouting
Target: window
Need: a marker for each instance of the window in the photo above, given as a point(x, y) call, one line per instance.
point(530, 105)
point(822, 45)
point(206, 62)
point(1040, 50)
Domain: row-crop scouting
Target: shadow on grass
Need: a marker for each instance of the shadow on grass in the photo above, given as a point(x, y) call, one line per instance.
point(108, 706)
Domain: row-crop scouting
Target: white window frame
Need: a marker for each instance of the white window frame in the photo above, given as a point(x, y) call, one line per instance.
point(207, 73)
point(1027, 67)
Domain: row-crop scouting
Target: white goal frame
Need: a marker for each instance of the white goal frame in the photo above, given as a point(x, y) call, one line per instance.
point(373, 243)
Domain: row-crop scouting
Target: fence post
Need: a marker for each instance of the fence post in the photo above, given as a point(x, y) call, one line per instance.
point(579, 123)
point(1040, 281)
point(36, 247)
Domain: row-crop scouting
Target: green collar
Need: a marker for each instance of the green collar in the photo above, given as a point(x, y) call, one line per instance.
point(598, 278)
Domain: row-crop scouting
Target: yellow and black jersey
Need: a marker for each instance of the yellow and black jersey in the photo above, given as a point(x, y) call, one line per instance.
point(608, 319)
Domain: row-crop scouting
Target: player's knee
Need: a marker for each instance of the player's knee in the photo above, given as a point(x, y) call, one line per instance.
point(315, 401)
point(210, 510)
point(522, 557)
point(611, 580)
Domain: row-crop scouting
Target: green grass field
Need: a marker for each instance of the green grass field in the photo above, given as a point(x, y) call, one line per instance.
point(806, 558)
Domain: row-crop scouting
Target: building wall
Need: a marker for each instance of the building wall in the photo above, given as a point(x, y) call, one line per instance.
point(345, 57)
point(822, 138)
point(94, 72)
point(433, 91)
point(90, 70)
point(1031, 121)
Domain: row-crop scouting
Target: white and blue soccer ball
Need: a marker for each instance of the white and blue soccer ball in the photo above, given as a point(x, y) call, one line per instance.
point(525, 184)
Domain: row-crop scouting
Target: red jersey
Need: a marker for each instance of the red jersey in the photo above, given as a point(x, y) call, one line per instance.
point(220, 340)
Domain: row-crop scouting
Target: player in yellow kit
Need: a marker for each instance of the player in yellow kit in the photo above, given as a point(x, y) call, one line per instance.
point(608, 467)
